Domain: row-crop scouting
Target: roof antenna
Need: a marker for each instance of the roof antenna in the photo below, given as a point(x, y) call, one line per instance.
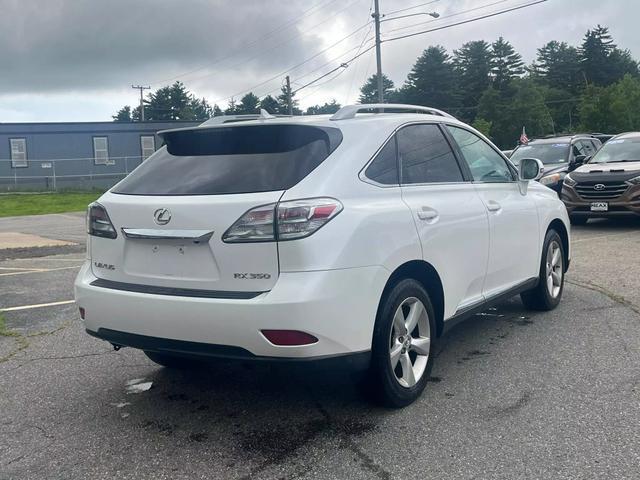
point(264, 115)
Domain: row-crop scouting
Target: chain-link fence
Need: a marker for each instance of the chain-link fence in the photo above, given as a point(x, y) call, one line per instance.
point(64, 173)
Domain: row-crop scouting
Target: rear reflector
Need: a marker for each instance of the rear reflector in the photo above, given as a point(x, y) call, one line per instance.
point(289, 337)
point(82, 313)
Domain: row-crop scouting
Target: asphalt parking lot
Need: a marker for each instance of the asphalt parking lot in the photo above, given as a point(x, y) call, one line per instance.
point(514, 394)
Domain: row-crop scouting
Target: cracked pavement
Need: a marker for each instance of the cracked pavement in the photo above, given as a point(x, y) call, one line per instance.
point(514, 394)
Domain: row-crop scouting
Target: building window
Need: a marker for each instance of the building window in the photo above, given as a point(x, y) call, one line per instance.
point(147, 145)
point(18, 152)
point(101, 151)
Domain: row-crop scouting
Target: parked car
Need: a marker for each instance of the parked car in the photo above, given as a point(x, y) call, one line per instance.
point(350, 240)
point(559, 155)
point(608, 185)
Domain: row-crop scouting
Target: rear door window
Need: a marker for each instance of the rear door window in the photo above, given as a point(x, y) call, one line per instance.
point(230, 160)
point(425, 156)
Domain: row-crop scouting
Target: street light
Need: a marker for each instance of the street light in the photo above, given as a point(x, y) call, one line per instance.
point(431, 14)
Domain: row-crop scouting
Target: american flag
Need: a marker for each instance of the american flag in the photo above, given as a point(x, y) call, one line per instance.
point(523, 137)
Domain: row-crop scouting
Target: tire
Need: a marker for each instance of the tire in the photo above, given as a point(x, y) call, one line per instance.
point(547, 294)
point(399, 385)
point(578, 220)
point(171, 361)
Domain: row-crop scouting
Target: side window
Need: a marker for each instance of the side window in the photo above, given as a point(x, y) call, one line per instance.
point(578, 149)
point(425, 156)
point(587, 147)
point(384, 168)
point(485, 163)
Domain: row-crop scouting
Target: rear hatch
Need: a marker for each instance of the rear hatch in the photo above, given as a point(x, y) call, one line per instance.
point(171, 213)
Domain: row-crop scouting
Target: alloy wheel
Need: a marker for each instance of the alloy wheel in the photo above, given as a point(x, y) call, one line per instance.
point(410, 342)
point(554, 269)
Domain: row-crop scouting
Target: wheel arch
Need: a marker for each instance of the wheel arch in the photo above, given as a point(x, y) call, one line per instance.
point(559, 226)
point(428, 277)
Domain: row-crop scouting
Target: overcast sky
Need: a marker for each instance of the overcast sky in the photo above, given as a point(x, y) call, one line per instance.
point(75, 60)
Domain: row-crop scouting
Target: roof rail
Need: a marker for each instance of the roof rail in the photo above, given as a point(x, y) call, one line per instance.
point(263, 115)
point(350, 111)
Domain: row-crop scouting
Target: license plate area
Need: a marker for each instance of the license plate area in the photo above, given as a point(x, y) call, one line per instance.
point(599, 206)
point(170, 259)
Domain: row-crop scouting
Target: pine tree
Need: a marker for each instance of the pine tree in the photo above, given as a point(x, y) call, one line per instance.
point(123, 115)
point(558, 65)
point(506, 63)
point(270, 105)
point(602, 62)
point(282, 103)
point(472, 64)
point(248, 104)
point(369, 91)
point(332, 107)
point(432, 80)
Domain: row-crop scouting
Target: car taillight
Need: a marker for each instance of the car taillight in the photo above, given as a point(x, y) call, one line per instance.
point(283, 221)
point(254, 226)
point(301, 218)
point(98, 222)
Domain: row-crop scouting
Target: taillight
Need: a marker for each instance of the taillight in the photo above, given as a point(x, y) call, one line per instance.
point(98, 222)
point(254, 226)
point(283, 221)
point(301, 218)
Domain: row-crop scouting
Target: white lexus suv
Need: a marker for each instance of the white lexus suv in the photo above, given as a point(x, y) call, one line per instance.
point(353, 240)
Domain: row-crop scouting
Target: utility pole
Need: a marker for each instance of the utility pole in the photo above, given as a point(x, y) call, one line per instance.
point(289, 99)
point(141, 88)
point(376, 19)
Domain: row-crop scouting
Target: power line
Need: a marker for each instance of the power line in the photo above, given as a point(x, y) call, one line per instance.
point(411, 8)
point(261, 53)
point(281, 74)
point(280, 28)
point(464, 21)
point(447, 16)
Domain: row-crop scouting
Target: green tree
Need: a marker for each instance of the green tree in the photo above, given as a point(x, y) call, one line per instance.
point(332, 107)
point(232, 107)
point(282, 103)
point(248, 104)
point(123, 115)
point(482, 125)
point(523, 105)
point(270, 104)
point(506, 63)
point(615, 108)
point(217, 111)
point(432, 80)
point(595, 50)
point(369, 91)
point(558, 65)
point(472, 64)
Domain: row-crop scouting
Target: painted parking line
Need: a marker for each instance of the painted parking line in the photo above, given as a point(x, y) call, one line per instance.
point(38, 270)
point(37, 305)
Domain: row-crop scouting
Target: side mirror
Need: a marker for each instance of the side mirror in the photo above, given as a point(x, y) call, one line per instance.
point(579, 160)
point(530, 169)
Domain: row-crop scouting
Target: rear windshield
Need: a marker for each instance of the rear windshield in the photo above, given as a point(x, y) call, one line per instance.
point(227, 160)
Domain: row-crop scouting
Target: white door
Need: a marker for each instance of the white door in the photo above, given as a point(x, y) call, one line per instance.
point(513, 218)
point(449, 215)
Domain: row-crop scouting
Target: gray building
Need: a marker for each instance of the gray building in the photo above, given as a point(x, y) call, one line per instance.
point(74, 155)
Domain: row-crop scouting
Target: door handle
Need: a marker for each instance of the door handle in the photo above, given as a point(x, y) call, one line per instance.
point(427, 213)
point(493, 206)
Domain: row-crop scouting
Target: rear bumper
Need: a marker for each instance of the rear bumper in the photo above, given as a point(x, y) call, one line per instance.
point(337, 306)
point(204, 351)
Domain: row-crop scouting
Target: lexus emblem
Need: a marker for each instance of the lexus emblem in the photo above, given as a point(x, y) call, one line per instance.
point(162, 216)
point(597, 186)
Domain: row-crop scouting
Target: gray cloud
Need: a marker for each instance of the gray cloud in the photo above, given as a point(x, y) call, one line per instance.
point(92, 50)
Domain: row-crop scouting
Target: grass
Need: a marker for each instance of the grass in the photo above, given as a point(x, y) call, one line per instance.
point(13, 205)
point(4, 331)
